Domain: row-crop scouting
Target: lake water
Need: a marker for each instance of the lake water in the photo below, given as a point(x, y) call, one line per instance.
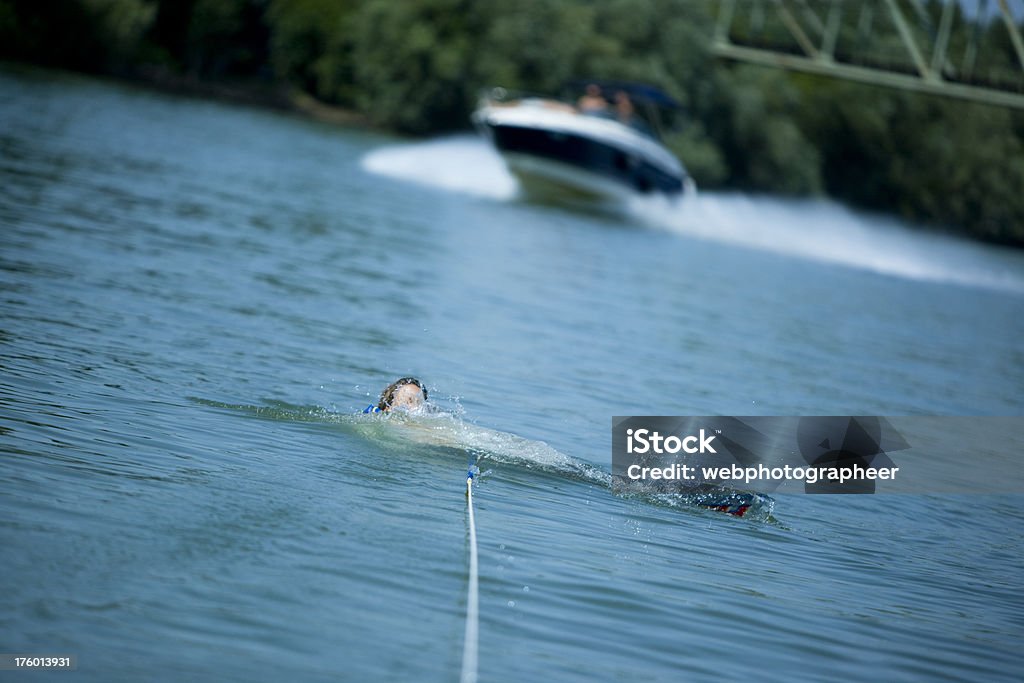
point(198, 298)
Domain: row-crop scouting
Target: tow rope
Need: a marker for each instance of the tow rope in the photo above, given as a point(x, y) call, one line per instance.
point(470, 648)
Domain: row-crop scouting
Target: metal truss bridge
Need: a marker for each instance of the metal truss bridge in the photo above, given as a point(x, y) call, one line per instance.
point(929, 47)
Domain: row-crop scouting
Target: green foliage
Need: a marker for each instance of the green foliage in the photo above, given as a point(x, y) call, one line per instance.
point(703, 158)
point(960, 164)
point(226, 38)
point(411, 60)
point(311, 46)
point(548, 39)
point(123, 23)
point(931, 159)
point(758, 129)
point(90, 35)
point(662, 42)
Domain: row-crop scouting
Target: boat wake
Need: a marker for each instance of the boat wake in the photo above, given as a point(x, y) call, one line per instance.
point(828, 232)
point(811, 229)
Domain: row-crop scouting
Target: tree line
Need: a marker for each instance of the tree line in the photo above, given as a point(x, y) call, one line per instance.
point(418, 67)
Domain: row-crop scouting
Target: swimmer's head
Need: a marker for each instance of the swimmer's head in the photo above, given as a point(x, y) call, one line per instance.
point(407, 393)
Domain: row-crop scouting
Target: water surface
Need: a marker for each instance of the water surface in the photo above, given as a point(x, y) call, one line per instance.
point(198, 298)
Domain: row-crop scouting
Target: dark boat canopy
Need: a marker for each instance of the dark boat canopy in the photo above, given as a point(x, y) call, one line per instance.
point(638, 92)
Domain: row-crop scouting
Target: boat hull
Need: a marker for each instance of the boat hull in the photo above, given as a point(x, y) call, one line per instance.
point(594, 166)
point(552, 149)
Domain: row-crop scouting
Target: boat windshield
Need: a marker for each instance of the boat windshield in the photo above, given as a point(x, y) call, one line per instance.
point(597, 102)
point(619, 103)
point(635, 122)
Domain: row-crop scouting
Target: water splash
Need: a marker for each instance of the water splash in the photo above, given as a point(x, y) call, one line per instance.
point(811, 229)
point(432, 428)
point(443, 430)
point(462, 164)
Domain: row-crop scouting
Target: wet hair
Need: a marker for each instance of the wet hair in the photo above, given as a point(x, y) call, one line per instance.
point(387, 396)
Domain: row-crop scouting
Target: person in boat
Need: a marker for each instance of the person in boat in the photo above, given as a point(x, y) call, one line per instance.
point(593, 102)
point(624, 109)
point(407, 393)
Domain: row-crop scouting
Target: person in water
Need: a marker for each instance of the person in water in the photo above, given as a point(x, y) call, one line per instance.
point(407, 393)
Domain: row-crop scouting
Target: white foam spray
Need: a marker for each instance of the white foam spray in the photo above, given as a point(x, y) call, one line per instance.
point(825, 231)
point(813, 229)
point(462, 163)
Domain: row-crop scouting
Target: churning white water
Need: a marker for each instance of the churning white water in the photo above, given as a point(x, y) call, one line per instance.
point(815, 229)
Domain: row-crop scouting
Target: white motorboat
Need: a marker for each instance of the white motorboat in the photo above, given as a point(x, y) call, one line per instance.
point(595, 152)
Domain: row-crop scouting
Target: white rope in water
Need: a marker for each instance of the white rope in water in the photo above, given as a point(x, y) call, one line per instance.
point(470, 653)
